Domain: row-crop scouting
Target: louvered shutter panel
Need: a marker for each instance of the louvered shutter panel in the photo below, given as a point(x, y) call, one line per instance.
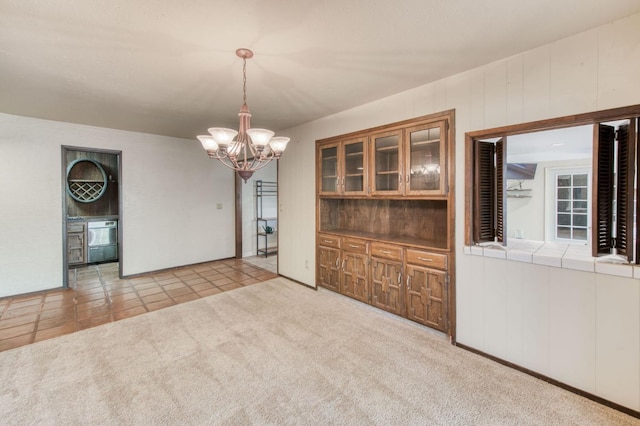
point(484, 192)
point(500, 188)
point(624, 203)
point(634, 140)
point(603, 195)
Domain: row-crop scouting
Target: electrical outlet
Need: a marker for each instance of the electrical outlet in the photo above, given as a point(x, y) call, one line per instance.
point(306, 264)
point(219, 206)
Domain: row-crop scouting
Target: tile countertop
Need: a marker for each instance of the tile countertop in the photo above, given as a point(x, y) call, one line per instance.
point(91, 218)
point(567, 256)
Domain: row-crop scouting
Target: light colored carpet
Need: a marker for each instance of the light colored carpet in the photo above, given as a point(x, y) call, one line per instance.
point(274, 353)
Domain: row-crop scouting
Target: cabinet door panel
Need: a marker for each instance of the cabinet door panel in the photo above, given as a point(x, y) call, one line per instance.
point(386, 285)
point(354, 171)
point(328, 268)
point(355, 276)
point(386, 164)
point(329, 170)
point(425, 160)
point(427, 297)
point(75, 248)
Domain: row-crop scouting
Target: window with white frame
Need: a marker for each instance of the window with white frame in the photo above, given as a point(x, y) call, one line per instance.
point(568, 205)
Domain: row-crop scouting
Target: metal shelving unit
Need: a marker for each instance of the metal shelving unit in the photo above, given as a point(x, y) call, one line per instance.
point(266, 217)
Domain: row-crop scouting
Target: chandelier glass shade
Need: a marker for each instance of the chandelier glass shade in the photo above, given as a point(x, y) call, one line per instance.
point(244, 150)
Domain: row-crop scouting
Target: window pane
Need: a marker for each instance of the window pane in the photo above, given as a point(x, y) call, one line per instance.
point(580, 180)
point(564, 194)
point(579, 220)
point(580, 193)
point(579, 206)
point(572, 206)
point(580, 234)
point(563, 232)
point(564, 219)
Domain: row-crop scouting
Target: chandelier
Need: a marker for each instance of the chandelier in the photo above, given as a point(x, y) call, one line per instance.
point(252, 149)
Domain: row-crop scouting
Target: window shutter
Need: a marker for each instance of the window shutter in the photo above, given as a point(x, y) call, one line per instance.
point(603, 183)
point(624, 203)
point(484, 192)
point(634, 140)
point(501, 195)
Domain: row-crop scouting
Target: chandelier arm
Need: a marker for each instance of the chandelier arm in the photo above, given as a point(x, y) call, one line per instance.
point(264, 163)
point(225, 159)
point(228, 163)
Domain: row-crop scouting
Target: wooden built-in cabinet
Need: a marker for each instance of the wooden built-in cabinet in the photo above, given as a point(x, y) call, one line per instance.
point(329, 262)
point(355, 269)
point(76, 243)
point(342, 168)
point(387, 278)
point(385, 218)
point(427, 288)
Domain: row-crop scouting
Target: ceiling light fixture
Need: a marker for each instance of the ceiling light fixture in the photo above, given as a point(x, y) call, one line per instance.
point(253, 148)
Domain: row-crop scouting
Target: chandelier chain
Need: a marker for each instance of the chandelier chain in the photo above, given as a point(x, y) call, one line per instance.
point(244, 80)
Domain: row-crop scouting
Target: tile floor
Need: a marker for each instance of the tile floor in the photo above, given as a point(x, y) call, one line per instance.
point(97, 296)
point(269, 263)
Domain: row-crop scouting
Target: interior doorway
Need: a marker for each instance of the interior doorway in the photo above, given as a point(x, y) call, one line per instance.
point(91, 207)
point(253, 237)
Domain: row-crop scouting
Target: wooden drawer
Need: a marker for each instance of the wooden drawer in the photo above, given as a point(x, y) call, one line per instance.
point(429, 260)
point(354, 246)
point(75, 227)
point(328, 241)
point(386, 251)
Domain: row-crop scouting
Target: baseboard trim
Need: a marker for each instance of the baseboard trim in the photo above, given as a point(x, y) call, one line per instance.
point(554, 382)
point(171, 268)
point(299, 282)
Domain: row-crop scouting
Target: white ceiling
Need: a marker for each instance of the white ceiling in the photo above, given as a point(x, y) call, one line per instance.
point(169, 67)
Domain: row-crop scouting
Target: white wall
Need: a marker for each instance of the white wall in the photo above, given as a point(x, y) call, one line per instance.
point(169, 194)
point(577, 327)
point(268, 174)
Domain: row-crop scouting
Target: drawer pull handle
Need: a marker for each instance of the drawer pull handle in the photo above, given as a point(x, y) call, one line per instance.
point(328, 241)
point(385, 252)
point(353, 246)
point(426, 259)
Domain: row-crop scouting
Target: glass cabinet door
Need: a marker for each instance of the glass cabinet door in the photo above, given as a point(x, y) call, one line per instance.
point(386, 163)
point(354, 166)
point(425, 168)
point(329, 178)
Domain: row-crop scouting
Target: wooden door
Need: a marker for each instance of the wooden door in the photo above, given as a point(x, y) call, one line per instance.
point(427, 297)
point(386, 285)
point(355, 276)
point(328, 268)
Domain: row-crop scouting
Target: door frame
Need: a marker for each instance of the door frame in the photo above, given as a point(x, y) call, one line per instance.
point(65, 260)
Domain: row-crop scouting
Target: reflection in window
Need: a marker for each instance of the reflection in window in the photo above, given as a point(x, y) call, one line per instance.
point(572, 201)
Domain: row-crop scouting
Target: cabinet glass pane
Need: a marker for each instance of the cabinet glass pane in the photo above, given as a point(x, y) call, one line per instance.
point(354, 166)
point(329, 169)
point(387, 155)
point(424, 151)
